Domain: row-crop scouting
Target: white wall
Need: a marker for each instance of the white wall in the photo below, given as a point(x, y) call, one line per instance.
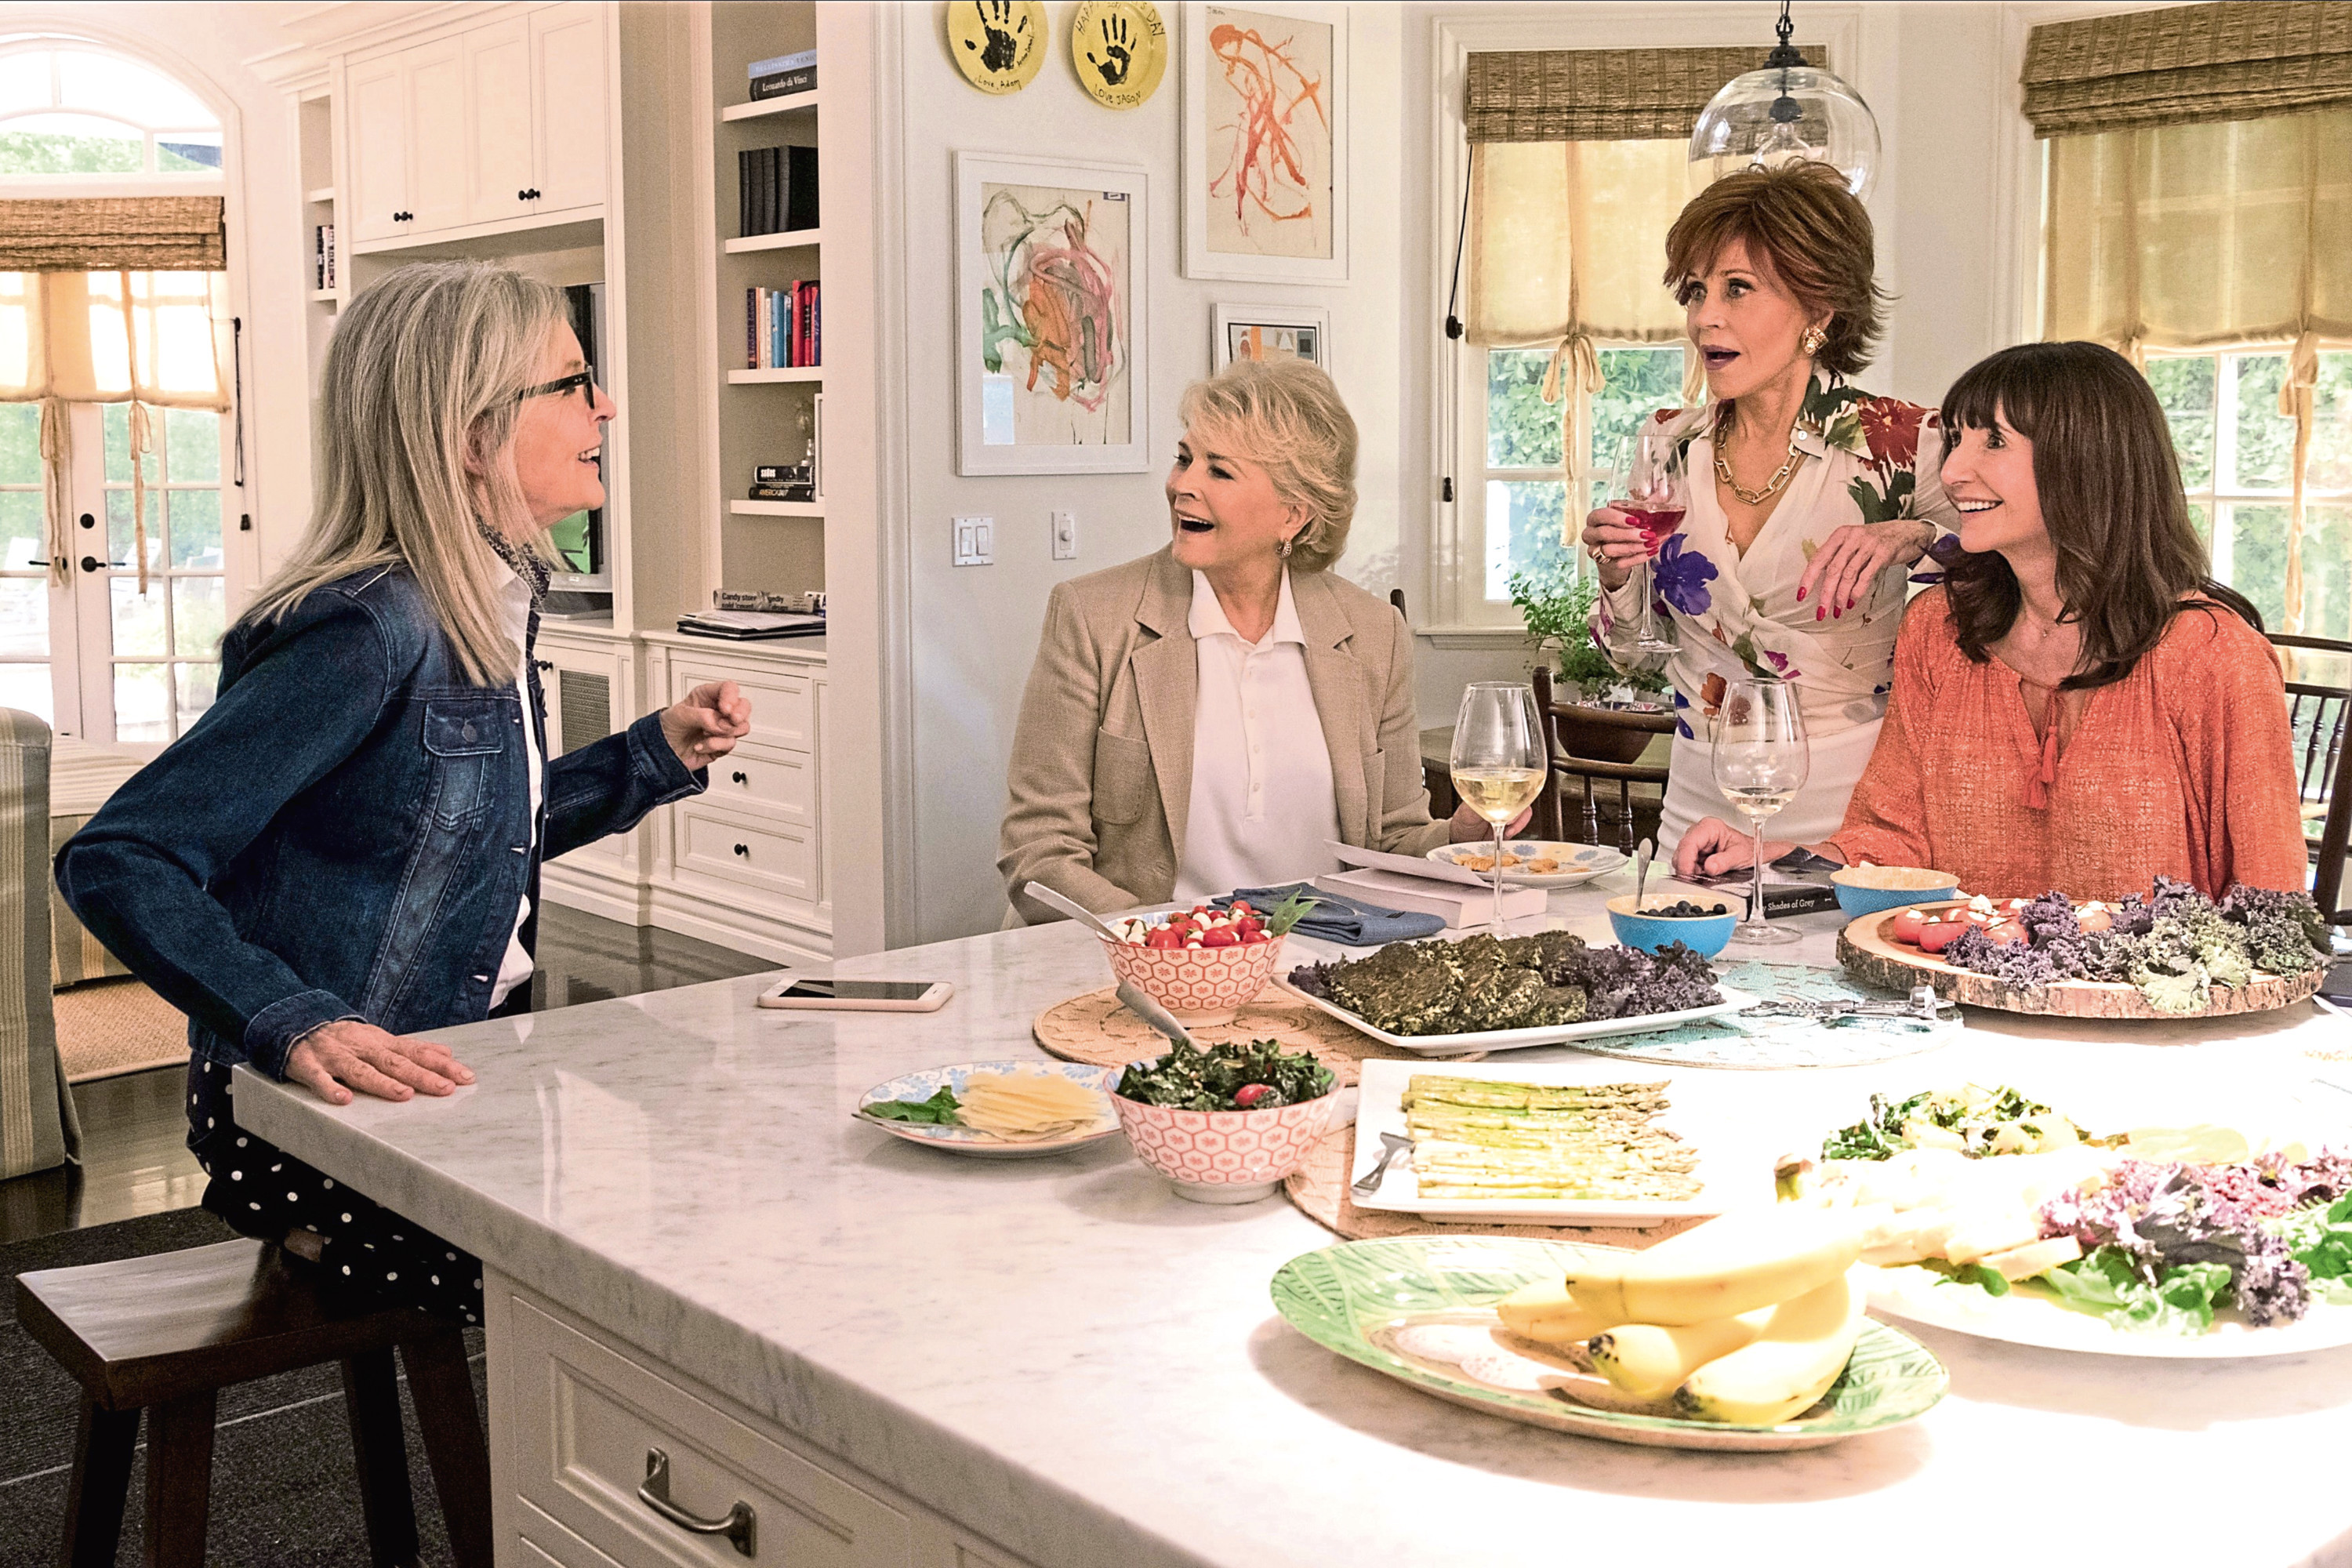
point(969, 633)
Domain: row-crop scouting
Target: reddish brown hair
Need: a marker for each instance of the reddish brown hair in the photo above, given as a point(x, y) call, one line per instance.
point(1800, 221)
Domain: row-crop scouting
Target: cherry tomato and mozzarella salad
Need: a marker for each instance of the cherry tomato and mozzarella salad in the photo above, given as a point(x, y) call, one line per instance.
point(1242, 924)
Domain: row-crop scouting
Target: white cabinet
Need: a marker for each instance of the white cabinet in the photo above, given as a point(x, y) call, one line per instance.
point(578, 1416)
point(498, 124)
point(569, 94)
point(436, 136)
point(498, 95)
point(376, 132)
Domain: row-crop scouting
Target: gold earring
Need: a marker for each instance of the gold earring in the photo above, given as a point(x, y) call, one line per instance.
point(1284, 549)
point(1812, 341)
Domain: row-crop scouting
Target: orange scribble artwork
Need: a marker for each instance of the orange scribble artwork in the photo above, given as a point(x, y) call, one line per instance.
point(1269, 135)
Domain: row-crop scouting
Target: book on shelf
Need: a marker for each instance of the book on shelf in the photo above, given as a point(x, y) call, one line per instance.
point(808, 603)
point(780, 327)
point(323, 255)
point(800, 491)
point(750, 626)
point(781, 84)
point(776, 190)
point(776, 64)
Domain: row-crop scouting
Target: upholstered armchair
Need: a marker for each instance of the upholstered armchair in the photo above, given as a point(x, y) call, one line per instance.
point(37, 1129)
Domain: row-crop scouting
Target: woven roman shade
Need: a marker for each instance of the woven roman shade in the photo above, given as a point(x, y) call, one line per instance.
point(1601, 95)
point(113, 234)
point(2187, 65)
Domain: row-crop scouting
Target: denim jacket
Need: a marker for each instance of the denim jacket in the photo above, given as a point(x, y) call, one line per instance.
point(345, 833)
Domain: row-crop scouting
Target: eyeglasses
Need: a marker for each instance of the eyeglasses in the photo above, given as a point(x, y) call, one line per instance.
point(585, 380)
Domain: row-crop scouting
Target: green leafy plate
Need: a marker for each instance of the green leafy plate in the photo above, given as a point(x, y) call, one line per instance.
point(1376, 1301)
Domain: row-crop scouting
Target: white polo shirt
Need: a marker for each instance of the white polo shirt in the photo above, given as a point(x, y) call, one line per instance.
point(1261, 809)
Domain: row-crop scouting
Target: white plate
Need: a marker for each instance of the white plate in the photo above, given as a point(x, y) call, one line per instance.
point(1512, 1039)
point(2020, 1318)
point(1585, 862)
point(989, 1145)
point(1701, 1109)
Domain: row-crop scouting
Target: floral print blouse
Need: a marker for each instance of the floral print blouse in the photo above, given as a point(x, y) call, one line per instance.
point(1874, 460)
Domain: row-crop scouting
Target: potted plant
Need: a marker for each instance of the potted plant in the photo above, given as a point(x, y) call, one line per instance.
point(1556, 601)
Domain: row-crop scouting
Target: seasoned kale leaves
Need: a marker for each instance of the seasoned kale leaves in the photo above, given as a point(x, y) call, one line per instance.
point(1480, 983)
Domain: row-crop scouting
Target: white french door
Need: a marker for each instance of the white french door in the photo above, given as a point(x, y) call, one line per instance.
point(95, 656)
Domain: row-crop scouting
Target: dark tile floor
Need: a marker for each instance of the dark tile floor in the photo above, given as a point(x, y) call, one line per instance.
point(134, 1159)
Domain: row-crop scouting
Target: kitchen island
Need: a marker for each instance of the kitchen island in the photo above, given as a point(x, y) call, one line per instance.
point(893, 1356)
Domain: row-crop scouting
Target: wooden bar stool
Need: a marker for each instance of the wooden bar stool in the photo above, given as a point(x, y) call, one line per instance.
point(165, 1334)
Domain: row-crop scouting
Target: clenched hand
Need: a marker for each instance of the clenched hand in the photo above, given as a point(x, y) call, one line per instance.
point(704, 725)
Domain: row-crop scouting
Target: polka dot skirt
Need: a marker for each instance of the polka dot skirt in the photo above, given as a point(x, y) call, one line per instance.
point(264, 1192)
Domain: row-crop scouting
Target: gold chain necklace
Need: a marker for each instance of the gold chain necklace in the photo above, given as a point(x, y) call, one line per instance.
point(1772, 485)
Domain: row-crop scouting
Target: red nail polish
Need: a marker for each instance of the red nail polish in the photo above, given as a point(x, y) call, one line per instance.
point(1800, 596)
point(1821, 614)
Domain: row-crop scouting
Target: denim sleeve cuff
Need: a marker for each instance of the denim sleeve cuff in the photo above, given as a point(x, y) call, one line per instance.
point(650, 755)
point(269, 1038)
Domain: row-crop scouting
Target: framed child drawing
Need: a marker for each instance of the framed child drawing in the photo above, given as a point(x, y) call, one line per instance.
point(1266, 142)
point(1050, 351)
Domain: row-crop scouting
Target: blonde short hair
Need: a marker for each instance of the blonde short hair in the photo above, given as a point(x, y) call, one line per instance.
point(1285, 415)
point(426, 368)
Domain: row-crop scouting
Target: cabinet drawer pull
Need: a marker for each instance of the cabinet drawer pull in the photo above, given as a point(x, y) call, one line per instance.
point(744, 850)
point(741, 1526)
point(738, 778)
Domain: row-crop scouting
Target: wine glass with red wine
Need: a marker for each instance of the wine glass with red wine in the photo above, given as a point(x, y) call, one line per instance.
point(1651, 494)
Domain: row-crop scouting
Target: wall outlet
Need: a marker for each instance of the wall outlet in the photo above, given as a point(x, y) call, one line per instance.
point(1065, 536)
point(975, 541)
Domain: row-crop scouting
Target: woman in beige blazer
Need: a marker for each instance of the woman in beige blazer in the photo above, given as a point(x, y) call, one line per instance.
point(1209, 716)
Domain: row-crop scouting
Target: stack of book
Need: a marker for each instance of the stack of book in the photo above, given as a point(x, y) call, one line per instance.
point(782, 481)
point(782, 328)
point(750, 626)
point(775, 189)
point(323, 255)
point(784, 74)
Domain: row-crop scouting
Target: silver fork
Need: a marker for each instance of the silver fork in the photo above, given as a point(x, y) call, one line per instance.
point(1391, 1145)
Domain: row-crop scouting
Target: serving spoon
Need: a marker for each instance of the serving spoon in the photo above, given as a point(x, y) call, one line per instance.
point(1641, 872)
point(1137, 1002)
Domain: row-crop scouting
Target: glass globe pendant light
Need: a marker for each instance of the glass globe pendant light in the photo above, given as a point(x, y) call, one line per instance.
point(1785, 112)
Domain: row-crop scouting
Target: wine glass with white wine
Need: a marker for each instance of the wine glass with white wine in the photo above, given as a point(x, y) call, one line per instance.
point(1762, 761)
point(1499, 760)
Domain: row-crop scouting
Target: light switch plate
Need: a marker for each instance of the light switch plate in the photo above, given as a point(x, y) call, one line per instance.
point(1065, 536)
point(975, 541)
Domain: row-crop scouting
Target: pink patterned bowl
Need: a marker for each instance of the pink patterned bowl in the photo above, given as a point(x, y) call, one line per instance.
point(1198, 984)
point(1223, 1156)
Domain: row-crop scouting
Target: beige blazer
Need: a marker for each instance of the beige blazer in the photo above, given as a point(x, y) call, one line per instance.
point(1102, 758)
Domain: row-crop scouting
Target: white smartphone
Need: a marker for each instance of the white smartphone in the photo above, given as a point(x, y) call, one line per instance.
point(859, 995)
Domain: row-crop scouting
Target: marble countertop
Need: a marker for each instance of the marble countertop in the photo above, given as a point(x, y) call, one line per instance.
point(1067, 1357)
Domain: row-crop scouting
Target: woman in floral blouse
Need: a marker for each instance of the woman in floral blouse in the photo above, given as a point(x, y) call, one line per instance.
point(1810, 499)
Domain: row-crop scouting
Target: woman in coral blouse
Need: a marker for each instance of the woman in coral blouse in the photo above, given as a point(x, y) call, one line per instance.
point(2079, 706)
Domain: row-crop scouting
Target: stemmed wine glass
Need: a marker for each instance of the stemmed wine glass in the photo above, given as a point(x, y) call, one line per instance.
point(1650, 491)
point(1761, 760)
point(1499, 760)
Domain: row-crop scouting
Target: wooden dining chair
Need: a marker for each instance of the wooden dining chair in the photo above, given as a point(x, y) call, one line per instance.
point(2319, 711)
point(1593, 745)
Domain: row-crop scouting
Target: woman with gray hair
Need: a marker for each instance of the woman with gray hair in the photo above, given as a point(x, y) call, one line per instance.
point(344, 850)
point(1215, 715)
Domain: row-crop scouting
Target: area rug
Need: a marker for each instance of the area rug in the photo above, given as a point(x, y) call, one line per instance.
point(106, 1027)
point(284, 1495)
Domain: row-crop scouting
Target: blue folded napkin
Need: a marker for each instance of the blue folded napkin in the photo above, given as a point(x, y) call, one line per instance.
point(1337, 918)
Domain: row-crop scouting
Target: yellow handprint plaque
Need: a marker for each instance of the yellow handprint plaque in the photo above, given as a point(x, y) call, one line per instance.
point(1120, 49)
point(999, 45)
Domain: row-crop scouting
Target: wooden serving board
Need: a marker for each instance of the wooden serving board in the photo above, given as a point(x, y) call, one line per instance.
point(1873, 956)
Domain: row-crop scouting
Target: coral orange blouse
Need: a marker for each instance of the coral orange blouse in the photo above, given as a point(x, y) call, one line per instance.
point(2182, 767)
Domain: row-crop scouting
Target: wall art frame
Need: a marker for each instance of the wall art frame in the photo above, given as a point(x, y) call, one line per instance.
point(1052, 316)
point(1264, 138)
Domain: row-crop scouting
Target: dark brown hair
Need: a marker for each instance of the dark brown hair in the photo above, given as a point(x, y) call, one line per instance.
point(1800, 221)
point(2109, 485)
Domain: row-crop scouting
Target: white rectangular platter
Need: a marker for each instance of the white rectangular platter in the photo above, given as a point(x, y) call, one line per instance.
point(1702, 1109)
point(1512, 1039)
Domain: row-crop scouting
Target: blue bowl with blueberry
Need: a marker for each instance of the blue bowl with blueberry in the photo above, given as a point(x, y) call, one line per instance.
point(1703, 924)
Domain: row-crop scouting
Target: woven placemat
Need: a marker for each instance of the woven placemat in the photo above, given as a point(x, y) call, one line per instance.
point(1098, 1029)
point(1319, 1190)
